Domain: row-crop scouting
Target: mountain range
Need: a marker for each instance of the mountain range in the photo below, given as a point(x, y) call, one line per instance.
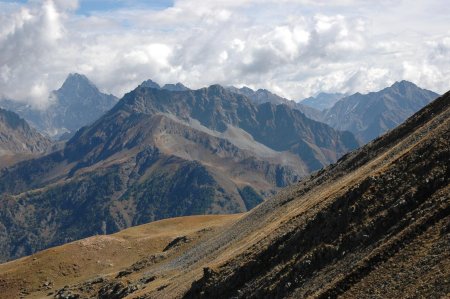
point(375, 224)
point(171, 151)
point(79, 102)
point(161, 153)
point(367, 116)
point(370, 115)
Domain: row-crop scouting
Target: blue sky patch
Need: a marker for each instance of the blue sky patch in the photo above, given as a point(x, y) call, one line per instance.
point(89, 6)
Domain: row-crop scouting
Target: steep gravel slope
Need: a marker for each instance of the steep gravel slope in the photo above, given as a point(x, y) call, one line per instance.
point(340, 232)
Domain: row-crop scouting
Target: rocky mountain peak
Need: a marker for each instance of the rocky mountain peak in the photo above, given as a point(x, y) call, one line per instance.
point(150, 84)
point(169, 86)
point(216, 87)
point(218, 90)
point(405, 88)
point(75, 81)
point(247, 89)
point(404, 84)
point(175, 87)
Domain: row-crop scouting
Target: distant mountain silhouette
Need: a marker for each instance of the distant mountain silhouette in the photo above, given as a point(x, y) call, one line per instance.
point(323, 100)
point(370, 115)
point(77, 103)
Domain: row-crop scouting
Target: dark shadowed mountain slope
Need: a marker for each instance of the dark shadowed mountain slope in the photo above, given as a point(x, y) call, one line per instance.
point(18, 140)
point(323, 100)
point(373, 225)
point(370, 115)
point(159, 154)
point(77, 103)
point(262, 96)
point(150, 84)
point(175, 87)
point(171, 87)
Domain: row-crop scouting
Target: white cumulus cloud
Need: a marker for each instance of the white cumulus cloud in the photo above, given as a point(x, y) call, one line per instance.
point(296, 48)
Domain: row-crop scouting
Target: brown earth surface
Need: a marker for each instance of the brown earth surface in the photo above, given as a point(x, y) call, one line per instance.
point(100, 257)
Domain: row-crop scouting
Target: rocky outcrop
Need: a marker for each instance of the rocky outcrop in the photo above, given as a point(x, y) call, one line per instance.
point(17, 137)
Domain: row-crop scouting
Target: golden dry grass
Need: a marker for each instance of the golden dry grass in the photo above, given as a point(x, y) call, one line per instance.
point(98, 256)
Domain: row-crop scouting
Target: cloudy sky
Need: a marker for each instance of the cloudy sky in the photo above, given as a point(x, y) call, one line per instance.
point(295, 48)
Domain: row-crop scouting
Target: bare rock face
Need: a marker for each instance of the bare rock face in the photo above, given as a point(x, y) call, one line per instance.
point(17, 137)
